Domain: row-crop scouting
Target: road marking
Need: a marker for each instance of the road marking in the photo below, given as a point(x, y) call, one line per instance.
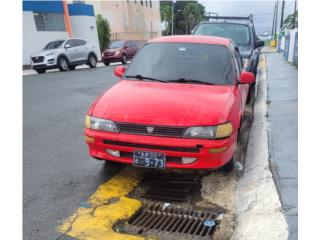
point(104, 208)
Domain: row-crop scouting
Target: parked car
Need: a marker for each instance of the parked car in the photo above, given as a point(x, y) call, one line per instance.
point(64, 54)
point(119, 51)
point(178, 105)
point(241, 30)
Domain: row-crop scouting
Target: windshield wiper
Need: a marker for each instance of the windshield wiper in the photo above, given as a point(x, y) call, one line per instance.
point(141, 77)
point(183, 80)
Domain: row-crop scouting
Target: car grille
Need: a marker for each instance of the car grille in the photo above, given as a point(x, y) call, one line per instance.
point(37, 59)
point(151, 130)
point(195, 149)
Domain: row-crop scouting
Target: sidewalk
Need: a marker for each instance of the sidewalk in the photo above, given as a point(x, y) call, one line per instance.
point(282, 80)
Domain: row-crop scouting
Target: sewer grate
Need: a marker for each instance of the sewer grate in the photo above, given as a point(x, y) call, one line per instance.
point(165, 221)
point(172, 188)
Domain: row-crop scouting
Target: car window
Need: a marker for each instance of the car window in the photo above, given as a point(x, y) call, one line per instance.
point(117, 44)
point(80, 42)
point(239, 33)
point(172, 61)
point(71, 42)
point(53, 45)
point(239, 59)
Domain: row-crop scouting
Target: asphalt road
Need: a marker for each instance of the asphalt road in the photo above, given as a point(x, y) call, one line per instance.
point(58, 174)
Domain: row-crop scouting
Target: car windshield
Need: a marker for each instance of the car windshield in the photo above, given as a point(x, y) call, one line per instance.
point(239, 33)
point(118, 44)
point(53, 45)
point(183, 62)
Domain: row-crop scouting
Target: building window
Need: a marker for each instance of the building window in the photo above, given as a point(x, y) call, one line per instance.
point(146, 3)
point(141, 2)
point(49, 21)
point(150, 3)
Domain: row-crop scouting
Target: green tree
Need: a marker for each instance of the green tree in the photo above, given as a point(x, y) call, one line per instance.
point(166, 12)
point(104, 35)
point(185, 18)
point(289, 21)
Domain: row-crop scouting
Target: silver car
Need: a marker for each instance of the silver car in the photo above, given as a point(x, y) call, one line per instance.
point(64, 54)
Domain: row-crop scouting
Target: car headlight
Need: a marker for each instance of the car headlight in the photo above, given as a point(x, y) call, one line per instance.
point(117, 52)
point(209, 132)
point(100, 124)
point(51, 53)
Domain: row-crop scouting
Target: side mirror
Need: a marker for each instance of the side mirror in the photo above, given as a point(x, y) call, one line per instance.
point(67, 46)
point(119, 71)
point(247, 78)
point(259, 43)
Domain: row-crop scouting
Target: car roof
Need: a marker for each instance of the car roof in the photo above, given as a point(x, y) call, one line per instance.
point(201, 39)
point(227, 22)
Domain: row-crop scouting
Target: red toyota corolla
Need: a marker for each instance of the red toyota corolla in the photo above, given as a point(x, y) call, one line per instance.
point(178, 105)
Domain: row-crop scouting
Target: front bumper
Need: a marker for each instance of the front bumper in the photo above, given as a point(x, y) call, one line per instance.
point(174, 148)
point(47, 63)
point(111, 58)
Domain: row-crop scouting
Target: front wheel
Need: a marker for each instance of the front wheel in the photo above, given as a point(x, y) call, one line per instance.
point(124, 59)
point(106, 63)
point(63, 64)
point(92, 61)
point(71, 68)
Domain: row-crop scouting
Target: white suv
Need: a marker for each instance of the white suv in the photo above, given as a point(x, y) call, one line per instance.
point(64, 54)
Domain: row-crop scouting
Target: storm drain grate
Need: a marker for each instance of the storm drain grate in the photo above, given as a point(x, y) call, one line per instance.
point(172, 188)
point(165, 221)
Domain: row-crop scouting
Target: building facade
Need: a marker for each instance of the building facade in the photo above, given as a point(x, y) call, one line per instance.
point(131, 20)
point(45, 21)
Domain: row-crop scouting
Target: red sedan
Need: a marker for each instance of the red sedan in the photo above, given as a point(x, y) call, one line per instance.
point(179, 104)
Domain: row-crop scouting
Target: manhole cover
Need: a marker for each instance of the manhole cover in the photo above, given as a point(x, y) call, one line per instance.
point(167, 221)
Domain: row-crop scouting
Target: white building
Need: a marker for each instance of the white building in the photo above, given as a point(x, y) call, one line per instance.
point(45, 21)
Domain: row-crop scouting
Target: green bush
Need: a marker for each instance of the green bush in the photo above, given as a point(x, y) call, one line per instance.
point(104, 35)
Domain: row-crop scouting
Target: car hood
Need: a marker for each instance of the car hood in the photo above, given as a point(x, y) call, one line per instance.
point(43, 52)
point(165, 103)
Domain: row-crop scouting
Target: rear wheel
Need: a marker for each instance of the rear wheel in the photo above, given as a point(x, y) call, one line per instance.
point(63, 64)
point(41, 71)
point(92, 61)
point(124, 59)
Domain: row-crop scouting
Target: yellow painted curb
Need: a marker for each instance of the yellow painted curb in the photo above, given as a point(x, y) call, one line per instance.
point(106, 207)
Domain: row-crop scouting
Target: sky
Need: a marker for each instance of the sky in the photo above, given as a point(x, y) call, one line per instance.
point(262, 10)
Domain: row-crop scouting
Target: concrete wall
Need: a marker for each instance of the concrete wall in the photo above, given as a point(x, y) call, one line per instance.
point(288, 45)
point(34, 40)
point(130, 20)
point(85, 27)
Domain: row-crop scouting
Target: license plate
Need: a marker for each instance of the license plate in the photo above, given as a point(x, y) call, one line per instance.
point(149, 159)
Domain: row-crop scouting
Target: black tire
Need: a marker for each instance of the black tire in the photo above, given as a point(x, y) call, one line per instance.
point(106, 63)
point(124, 59)
point(92, 61)
point(71, 68)
point(40, 71)
point(228, 167)
point(63, 64)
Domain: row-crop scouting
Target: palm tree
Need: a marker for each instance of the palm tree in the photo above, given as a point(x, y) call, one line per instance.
point(192, 15)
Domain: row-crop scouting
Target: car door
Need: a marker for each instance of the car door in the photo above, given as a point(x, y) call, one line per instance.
point(82, 49)
point(71, 50)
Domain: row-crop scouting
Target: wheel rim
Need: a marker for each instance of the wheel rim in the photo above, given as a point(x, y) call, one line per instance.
point(63, 64)
point(93, 61)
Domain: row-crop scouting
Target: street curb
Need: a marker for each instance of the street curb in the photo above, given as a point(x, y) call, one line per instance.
point(258, 207)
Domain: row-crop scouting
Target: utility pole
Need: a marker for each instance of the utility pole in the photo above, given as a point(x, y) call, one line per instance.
point(273, 20)
point(276, 20)
point(282, 12)
point(294, 14)
point(172, 15)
